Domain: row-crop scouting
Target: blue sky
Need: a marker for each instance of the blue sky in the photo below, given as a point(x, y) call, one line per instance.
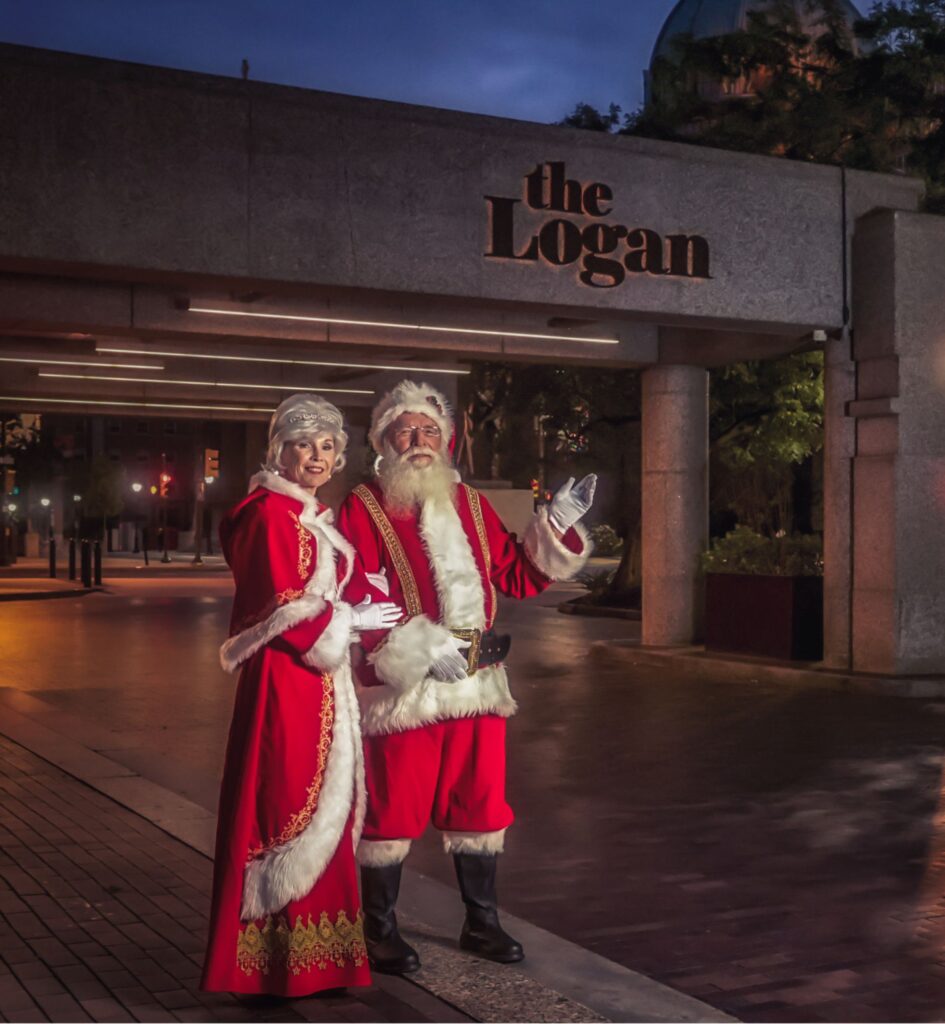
point(529, 59)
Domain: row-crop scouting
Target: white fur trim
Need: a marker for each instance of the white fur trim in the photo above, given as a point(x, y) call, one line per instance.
point(486, 843)
point(321, 524)
point(332, 646)
point(404, 658)
point(409, 396)
point(548, 554)
point(245, 644)
point(380, 853)
point(322, 585)
point(455, 573)
point(289, 871)
point(386, 709)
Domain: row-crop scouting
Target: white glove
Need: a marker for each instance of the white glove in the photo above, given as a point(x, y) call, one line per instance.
point(379, 581)
point(450, 666)
point(383, 615)
point(571, 502)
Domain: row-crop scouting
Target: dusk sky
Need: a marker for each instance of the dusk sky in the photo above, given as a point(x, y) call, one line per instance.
point(529, 59)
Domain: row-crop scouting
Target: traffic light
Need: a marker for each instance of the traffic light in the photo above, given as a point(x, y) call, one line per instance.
point(535, 488)
point(9, 481)
point(211, 463)
point(165, 480)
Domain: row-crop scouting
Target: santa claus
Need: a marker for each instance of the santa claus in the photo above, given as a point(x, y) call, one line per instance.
point(433, 691)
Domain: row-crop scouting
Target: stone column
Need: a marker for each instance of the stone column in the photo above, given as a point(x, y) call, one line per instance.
point(899, 470)
point(839, 447)
point(674, 502)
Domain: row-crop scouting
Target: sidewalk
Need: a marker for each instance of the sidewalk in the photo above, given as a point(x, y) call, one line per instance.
point(106, 915)
point(106, 918)
point(29, 579)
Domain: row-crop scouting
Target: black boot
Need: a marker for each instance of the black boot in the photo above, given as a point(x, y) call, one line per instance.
point(482, 934)
point(388, 953)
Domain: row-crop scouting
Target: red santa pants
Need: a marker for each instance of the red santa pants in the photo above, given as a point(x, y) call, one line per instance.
point(451, 773)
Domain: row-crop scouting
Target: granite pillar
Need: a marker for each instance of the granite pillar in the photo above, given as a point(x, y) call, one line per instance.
point(674, 502)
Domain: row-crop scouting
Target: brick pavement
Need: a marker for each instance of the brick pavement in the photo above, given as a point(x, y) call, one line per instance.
point(105, 918)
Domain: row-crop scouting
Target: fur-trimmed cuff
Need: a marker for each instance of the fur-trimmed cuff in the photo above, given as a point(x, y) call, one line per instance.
point(548, 554)
point(379, 854)
point(245, 644)
point(405, 657)
point(331, 648)
point(484, 843)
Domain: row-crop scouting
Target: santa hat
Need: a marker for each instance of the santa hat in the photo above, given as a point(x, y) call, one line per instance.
point(409, 396)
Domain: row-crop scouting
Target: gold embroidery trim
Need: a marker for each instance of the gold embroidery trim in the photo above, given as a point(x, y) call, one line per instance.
point(284, 597)
point(303, 947)
point(395, 549)
point(305, 547)
point(472, 496)
point(301, 819)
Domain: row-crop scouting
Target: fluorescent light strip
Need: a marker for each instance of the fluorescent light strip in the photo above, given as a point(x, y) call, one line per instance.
point(135, 405)
point(200, 383)
point(405, 327)
point(269, 359)
point(77, 362)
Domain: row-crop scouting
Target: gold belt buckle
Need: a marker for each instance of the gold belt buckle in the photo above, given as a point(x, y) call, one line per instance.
point(474, 636)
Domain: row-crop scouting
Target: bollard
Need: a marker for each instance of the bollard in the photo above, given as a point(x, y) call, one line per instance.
point(86, 564)
point(72, 558)
point(52, 558)
point(98, 563)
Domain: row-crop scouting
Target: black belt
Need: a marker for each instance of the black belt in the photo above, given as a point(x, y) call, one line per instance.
point(486, 647)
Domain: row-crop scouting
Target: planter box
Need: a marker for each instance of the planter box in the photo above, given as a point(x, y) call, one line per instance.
point(773, 616)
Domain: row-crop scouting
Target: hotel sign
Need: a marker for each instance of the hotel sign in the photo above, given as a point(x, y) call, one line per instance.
point(604, 251)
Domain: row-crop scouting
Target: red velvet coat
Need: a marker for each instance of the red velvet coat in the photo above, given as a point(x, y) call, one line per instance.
point(444, 563)
point(286, 916)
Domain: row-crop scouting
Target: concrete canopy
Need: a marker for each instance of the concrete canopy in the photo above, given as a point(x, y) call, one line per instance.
point(132, 196)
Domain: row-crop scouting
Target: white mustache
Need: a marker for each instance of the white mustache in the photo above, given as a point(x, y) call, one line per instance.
point(415, 450)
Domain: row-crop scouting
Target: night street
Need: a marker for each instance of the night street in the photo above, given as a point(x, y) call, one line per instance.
point(775, 852)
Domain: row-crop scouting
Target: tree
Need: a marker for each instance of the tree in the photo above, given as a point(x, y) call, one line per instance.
point(103, 493)
point(564, 421)
point(588, 117)
point(765, 422)
point(807, 92)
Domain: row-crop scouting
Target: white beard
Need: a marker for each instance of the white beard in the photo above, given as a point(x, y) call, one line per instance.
point(407, 485)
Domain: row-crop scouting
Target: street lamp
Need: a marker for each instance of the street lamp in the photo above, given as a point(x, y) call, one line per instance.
point(137, 488)
point(51, 540)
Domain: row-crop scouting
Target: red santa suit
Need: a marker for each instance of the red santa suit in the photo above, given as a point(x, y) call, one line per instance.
point(436, 750)
point(286, 916)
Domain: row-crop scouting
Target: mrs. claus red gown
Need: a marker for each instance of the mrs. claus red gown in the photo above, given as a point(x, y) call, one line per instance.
point(286, 917)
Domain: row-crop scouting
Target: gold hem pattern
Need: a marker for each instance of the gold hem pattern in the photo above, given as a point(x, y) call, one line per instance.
point(302, 818)
point(302, 947)
point(395, 549)
point(472, 496)
point(305, 548)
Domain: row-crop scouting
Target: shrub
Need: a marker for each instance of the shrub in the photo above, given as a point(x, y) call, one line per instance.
point(745, 551)
point(606, 542)
point(595, 583)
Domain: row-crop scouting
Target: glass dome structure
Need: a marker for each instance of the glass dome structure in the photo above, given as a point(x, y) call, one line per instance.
point(704, 19)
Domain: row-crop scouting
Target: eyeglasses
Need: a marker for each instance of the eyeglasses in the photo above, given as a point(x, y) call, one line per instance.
point(407, 432)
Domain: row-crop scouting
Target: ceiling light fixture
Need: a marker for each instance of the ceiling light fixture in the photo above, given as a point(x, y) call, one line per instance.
point(287, 362)
point(133, 405)
point(405, 327)
point(78, 362)
point(201, 383)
